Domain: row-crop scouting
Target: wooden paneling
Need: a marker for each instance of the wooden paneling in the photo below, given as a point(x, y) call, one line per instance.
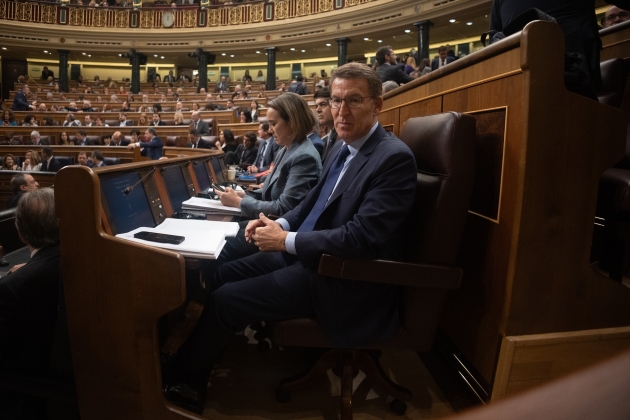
point(528, 361)
point(526, 272)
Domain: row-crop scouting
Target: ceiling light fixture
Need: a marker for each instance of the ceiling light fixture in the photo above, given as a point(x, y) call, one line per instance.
point(469, 23)
point(155, 55)
point(452, 20)
point(162, 57)
point(232, 55)
point(407, 31)
point(328, 45)
point(292, 49)
point(223, 54)
point(366, 39)
point(46, 51)
point(83, 53)
point(257, 52)
point(379, 41)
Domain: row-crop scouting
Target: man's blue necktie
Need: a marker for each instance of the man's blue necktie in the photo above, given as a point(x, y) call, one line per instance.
point(326, 191)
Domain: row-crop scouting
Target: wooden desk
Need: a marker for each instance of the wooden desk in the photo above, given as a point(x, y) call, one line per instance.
point(525, 253)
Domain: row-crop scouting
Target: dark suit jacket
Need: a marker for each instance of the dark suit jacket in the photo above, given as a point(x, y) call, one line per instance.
point(388, 72)
point(221, 87)
point(19, 102)
point(127, 124)
point(53, 166)
point(317, 142)
point(435, 64)
point(244, 155)
point(123, 142)
point(202, 126)
point(364, 218)
point(153, 148)
point(158, 124)
point(13, 201)
point(28, 311)
point(270, 154)
point(203, 144)
point(296, 171)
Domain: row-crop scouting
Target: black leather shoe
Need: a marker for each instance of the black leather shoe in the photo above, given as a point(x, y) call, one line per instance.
point(184, 396)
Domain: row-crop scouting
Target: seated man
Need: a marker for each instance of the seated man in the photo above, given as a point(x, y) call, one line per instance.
point(29, 296)
point(20, 185)
point(49, 163)
point(359, 209)
point(97, 159)
point(82, 159)
point(196, 142)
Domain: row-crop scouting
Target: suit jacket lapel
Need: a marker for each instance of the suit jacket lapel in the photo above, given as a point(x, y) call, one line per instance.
point(356, 164)
point(280, 157)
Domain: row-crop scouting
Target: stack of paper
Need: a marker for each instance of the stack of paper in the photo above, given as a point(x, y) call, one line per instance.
point(204, 239)
point(209, 206)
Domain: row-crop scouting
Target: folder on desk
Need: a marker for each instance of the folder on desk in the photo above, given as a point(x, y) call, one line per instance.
point(209, 206)
point(204, 239)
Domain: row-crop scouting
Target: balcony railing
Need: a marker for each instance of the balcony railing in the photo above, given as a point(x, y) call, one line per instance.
point(183, 16)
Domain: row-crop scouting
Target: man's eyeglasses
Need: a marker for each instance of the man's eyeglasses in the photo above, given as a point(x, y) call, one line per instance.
point(620, 15)
point(352, 102)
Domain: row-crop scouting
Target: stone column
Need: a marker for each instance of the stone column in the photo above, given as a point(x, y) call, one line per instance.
point(271, 68)
point(342, 51)
point(423, 39)
point(203, 70)
point(63, 70)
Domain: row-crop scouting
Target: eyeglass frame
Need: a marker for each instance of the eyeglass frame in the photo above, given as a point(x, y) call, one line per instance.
point(342, 100)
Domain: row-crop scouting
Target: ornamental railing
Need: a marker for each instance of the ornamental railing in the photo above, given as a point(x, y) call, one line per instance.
point(182, 16)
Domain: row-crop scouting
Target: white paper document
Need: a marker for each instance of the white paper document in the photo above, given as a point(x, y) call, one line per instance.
point(209, 206)
point(181, 226)
point(198, 244)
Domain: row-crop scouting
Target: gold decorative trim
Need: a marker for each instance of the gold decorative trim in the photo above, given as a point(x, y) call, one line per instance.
point(3, 10)
point(214, 17)
point(257, 13)
point(303, 7)
point(24, 12)
point(48, 14)
point(76, 17)
point(325, 5)
point(282, 10)
point(190, 18)
point(99, 18)
point(236, 16)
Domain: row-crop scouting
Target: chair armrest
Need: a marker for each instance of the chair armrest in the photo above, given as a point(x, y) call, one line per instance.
point(392, 272)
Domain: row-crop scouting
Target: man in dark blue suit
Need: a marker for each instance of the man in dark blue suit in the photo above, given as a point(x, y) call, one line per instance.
point(20, 102)
point(358, 209)
point(153, 147)
point(443, 58)
point(266, 150)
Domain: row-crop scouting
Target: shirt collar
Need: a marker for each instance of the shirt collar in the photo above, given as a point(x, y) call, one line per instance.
point(356, 145)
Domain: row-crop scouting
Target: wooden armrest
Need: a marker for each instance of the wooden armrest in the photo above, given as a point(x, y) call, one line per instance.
point(392, 272)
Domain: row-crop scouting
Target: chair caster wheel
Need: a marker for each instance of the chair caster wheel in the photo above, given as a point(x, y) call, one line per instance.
point(283, 395)
point(399, 407)
point(262, 346)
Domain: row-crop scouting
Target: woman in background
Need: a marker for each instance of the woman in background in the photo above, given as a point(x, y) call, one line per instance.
point(65, 140)
point(32, 161)
point(9, 118)
point(29, 121)
point(9, 163)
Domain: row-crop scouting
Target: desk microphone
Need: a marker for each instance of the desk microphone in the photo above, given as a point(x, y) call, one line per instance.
point(129, 189)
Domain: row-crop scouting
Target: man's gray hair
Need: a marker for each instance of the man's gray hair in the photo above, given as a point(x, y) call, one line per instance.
point(35, 133)
point(35, 218)
point(389, 85)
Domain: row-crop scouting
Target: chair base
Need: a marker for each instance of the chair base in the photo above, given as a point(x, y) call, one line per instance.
point(347, 363)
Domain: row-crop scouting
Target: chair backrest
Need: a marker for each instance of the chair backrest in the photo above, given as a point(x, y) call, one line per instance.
point(65, 160)
point(444, 148)
point(44, 139)
point(614, 80)
point(10, 240)
point(211, 139)
point(112, 161)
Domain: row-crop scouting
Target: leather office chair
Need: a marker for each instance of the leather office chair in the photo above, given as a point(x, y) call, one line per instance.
point(613, 197)
point(170, 141)
point(109, 161)
point(444, 147)
point(65, 160)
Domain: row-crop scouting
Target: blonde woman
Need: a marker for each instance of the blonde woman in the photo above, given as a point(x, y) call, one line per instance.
point(178, 119)
point(32, 161)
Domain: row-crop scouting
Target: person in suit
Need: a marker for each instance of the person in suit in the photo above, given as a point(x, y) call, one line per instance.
point(359, 209)
point(47, 73)
point(36, 139)
point(97, 159)
point(29, 297)
point(202, 126)
point(21, 184)
point(196, 142)
point(222, 86)
point(170, 78)
point(119, 140)
point(388, 68)
point(82, 160)
point(156, 121)
point(153, 147)
point(122, 120)
point(246, 152)
point(443, 58)
point(267, 150)
point(20, 101)
point(49, 162)
point(325, 119)
point(316, 140)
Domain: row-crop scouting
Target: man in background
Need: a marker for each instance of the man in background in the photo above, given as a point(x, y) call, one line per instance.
point(20, 185)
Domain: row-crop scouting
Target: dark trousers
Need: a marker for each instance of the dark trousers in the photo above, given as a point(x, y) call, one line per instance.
point(261, 287)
